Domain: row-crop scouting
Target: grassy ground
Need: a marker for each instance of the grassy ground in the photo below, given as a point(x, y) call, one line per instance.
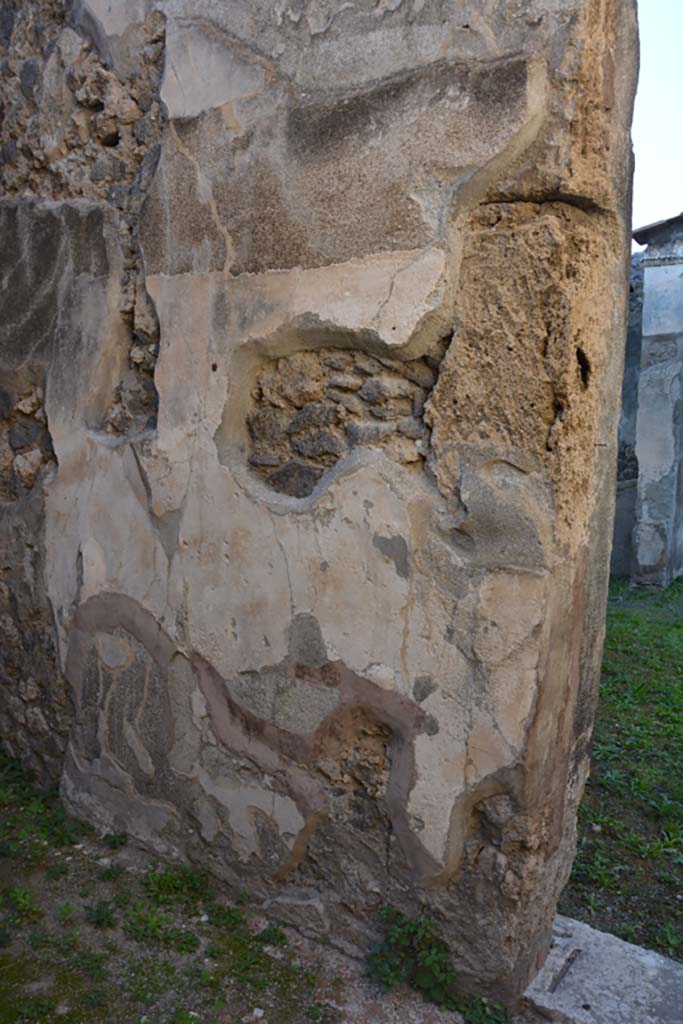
point(628, 874)
point(83, 938)
point(91, 933)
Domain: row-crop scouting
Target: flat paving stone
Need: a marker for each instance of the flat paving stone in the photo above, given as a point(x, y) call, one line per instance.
point(591, 977)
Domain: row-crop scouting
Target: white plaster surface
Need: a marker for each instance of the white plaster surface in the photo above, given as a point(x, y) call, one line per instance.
point(201, 72)
point(663, 305)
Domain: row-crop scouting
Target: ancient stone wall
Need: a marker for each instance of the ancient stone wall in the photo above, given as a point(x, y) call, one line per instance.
point(648, 527)
point(321, 307)
point(78, 149)
point(658, 533)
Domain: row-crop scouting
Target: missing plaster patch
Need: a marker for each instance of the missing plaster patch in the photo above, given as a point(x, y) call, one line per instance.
point(309, 409)
point(26, 452)
point(356, 762)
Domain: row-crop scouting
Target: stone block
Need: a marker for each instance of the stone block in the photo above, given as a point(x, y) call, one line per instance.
point(591, 977)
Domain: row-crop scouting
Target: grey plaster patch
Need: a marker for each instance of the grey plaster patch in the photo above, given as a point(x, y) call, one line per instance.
point(111, 27)
point(396, 550)
point(306, 644)
point(431, 725)
point(302, 707)
point(423, 687)
point(114, 651)
point(291, 704)
point(591, 977)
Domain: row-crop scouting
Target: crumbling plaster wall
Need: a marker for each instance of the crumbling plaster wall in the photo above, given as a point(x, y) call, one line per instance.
point(331, 619)
point(78, 149)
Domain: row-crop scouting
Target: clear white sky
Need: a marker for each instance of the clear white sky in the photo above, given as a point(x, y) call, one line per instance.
point(658, 117)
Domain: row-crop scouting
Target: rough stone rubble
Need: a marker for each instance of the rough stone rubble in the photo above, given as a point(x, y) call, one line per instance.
point(317, 309)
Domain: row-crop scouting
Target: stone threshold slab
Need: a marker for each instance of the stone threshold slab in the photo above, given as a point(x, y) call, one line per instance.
point(591, 977)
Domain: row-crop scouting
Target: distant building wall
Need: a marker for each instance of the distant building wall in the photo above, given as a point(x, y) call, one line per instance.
point(648, 531)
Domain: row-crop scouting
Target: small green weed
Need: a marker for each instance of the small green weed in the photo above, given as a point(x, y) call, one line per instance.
point(101, 914)
point(149, 978)
point(92, 965)
point(39, 938)
point(273, 935)
point(412, 955)
point(33, 818)
point(23, 904)
point(66, 914)
point(321, 1013)
point(184, 1017)
point(37, 1009)
point(176, 885)
point(182, 940)
point(111, 873)
point(224, 917)
point(95, 998)
point(54, 872)
point(115, 840)
point(148, 925)
point(628, 932)
point(670, 937)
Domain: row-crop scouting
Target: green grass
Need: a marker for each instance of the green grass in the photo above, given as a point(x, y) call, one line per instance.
point(176, 885)
point(32, 820)
point(628, 874)
point(114, 946)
